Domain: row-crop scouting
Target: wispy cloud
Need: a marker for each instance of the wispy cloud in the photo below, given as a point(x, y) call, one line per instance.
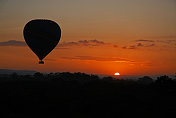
point(82, 43)
point(143, 40)
point(159, 39)
point(64, 45)
point(145, 45)
point(50, 59)
point(13, 43)
point(132, 47)
point(167, 41)
point(163, 37)
point(136, 44)
point(150, 45)
point(62, 48)
point(115, 46)
point(92, 58)
point(141, 43)
point(108, 59)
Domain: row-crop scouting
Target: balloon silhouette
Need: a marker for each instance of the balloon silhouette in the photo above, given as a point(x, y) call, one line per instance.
point(42, 36)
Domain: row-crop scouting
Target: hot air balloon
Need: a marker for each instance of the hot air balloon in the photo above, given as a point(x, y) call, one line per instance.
point(42, 36)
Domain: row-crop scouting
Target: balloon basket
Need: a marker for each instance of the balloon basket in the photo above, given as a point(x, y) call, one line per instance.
point(41, 62)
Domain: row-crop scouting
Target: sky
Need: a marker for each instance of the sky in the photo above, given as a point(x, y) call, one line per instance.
point(132, 37)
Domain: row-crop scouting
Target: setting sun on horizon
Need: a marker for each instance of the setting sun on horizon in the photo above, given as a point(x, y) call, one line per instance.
point(116, 74)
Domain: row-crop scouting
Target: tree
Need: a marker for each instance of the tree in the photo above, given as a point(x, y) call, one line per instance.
point(145, 80)
point(38, 75)
point(163, 80)
point(14, 75)
point(108, 78)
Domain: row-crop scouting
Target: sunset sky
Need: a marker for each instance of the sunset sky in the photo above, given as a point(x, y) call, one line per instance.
point(132, 37)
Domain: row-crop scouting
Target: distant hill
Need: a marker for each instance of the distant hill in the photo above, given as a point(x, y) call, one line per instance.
point(20, 72)
point(135, 77)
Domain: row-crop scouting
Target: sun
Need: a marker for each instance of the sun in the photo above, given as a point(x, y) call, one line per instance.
point(116, 74)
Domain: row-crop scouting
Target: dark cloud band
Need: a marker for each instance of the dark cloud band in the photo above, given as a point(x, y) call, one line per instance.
point(13, 43)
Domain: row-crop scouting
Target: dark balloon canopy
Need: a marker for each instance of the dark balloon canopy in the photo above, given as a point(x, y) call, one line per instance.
point(42, 36)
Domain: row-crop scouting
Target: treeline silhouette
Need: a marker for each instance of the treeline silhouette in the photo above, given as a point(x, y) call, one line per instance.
point(82, 95)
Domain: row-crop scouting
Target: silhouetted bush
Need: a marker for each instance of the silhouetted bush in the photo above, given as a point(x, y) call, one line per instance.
point(14, 75)
point(108, 78)
point(38, 75)
point(164, 80)
point(145, 80)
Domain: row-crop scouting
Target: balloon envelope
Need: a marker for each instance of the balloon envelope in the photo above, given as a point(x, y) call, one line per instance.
point(42, 36)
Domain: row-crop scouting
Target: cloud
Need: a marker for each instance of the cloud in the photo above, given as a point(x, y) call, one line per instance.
point(143, 40)
point(108, 59)
point(91, 43)
point(13, 43)
point(145, 45)
point(166, 41)
point(137, 44)
point(140, 44)
point(124, 47)
point(160, 41)
point(50, 59)
point(163, 37)
point(97, 42)
point(115, 46)
point(62, 48)
point(82, 43)
point(64, 45)
point(151, 45)
point(92, 58)
point(131, 47)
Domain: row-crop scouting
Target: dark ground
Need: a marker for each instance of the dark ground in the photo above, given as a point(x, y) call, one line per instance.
point(26, 97)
